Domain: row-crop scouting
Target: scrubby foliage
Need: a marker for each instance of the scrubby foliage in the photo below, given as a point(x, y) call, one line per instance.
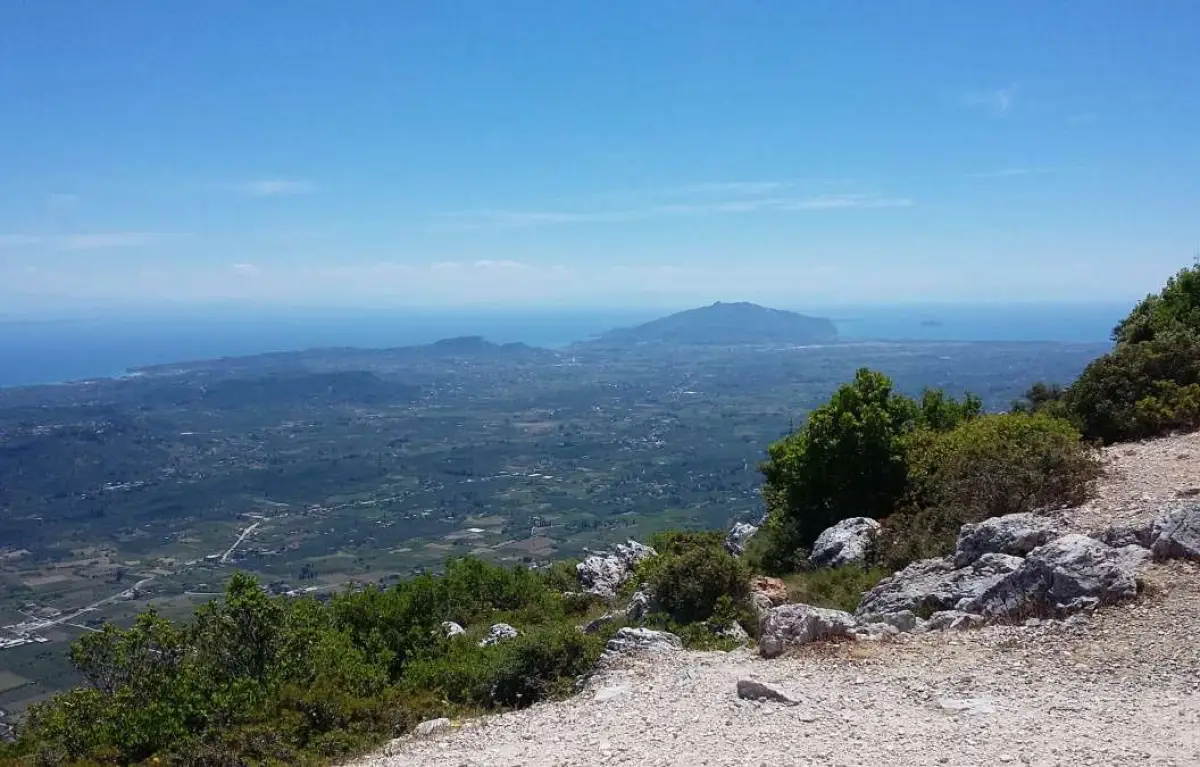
point(987, 467)
point(1149, 384)
point(925, 467)
point(255, 679)
point(1004, 464)
point(692, 573)
point(839, 588)
point(849, 459)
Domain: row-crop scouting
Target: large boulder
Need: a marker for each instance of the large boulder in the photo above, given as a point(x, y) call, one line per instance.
point(499, 633)
point(794, 625)
point(739, 535)
point(629, 639)
point(1177, 535)
point(451, 629)
point(604, 573)
point(1066, 575)
point(930, 585)
point(846, 543)
point(1015, 534)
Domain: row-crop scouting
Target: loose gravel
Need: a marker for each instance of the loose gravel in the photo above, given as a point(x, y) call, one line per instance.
point(1120, 687)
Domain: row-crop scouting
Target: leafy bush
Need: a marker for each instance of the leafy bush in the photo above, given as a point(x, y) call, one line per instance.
point(1150, 383)
point(1005, 464)
point(839, 588)
point(1140, 390)
point(692, 572)
point(256, 679)
point(986, 467)
point(849, 459)
point(1173, 311)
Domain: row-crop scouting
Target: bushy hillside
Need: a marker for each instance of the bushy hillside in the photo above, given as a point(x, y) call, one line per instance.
point(256, 679)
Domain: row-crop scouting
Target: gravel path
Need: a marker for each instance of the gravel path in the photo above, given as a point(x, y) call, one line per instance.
point(1121, 687)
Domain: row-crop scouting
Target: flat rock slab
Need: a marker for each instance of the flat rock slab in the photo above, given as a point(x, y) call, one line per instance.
point(751, 689)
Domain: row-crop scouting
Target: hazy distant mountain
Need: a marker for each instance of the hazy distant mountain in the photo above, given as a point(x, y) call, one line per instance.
point(726, 325)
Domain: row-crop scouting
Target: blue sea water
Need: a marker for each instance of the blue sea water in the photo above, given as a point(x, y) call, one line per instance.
point(35, 352)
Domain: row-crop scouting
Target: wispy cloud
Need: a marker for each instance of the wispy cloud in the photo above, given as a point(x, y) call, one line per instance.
point(481, 264)
point(105, 240)
point(20, 240)
point(528, 218)
point(81, 241)
point(246, 270)
point(1013, 172)
point(998, 101)
point(62, 199)
point(270, 187)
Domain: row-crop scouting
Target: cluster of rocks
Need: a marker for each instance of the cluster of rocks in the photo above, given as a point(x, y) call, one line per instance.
point(1020, 566)
point(737, 538)
point(604, 573)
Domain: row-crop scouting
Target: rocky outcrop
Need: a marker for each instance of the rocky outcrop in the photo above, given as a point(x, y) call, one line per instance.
point(902, 620)
point(629, 639)
point(640, 604)
point(431, 727)
point(1015, 534)
point(846, 543)
point(1177, 535)
point(739, 535)
point(794, 625)
point(499, 633)
point(604, 573)
point(593, 626)
point(732, 631)
point(773, 590)
point(450, 629)
point(953, 620)
point(1067, 575)
point(751, 689)
point(930, 585)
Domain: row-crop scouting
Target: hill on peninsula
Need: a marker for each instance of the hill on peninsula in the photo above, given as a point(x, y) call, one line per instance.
point(726, 324)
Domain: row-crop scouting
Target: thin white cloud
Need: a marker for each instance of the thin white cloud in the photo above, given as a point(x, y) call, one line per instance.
point(62, 199)
point(1012, 172)
point(271, 187)
point(248, 270)
point(998, 101)
point(530, 218)
point(81, 241)
point(20, 240)
point(105, 240)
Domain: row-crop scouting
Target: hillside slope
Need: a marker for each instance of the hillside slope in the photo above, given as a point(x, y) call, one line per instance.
point(1121, 687)
point(723, 324)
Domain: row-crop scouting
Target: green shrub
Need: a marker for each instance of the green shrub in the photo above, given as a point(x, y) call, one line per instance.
point(254, 679)
point(1150, 383)
point(1140, 390)
point(913, 533)
point(839, 588)
point(849, 459)
point(1004, 464)
point(986, 467)
point(692, 572)
point(1173, 311)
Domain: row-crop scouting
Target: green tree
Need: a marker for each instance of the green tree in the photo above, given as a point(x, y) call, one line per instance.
point(1173, 310)
point(850, 459)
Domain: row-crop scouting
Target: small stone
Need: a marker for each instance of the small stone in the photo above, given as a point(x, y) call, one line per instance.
point(750, 689)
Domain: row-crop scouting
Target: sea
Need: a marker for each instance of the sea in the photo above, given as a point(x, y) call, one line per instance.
point(69, 349)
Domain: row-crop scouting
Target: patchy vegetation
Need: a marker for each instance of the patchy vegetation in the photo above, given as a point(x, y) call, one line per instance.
point(254, 678)
point(1149, 384)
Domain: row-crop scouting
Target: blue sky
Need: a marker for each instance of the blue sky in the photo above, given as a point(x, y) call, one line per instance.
point(586, 153)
